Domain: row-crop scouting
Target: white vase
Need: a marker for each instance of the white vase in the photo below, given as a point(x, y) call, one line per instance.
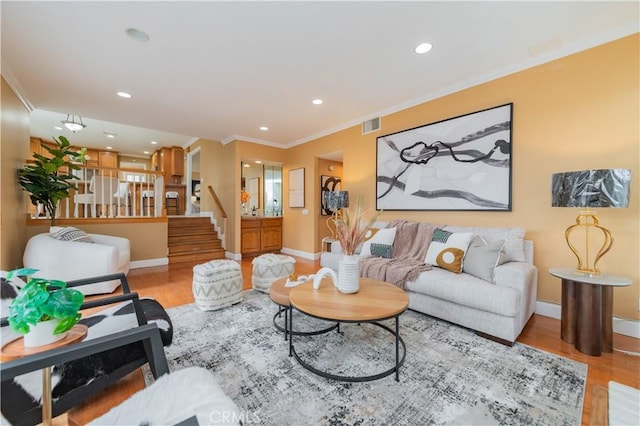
point(348, 275)
point(42, 334)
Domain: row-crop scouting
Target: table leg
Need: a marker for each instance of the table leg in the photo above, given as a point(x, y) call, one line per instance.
point(589, 319)
point(286, 323)
point(568, 314)
point(606, 340)
point(291, 330)
point(397, 349)
point(46, 396)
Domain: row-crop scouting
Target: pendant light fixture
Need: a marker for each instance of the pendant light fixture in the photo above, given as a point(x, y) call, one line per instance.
point(72, 124)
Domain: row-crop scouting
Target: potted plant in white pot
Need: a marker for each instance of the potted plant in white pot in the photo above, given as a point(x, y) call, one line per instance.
point(49, 179)
point(44, 310)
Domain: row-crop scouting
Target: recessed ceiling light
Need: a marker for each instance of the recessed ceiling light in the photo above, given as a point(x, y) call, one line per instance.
point(153, 143)
point(423, 48)
point(109, 135)
point(264, 128)
point(317, 101)
point(258, 162)
point(109, 147)
point(145, 152)
point(138, 35)
point(124, 95)
point(246, 165)
point(58, 128)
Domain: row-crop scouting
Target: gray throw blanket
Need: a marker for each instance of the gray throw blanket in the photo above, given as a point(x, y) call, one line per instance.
point(409, 250)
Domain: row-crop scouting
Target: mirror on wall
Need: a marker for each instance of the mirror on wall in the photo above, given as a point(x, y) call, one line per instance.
point(262, 187)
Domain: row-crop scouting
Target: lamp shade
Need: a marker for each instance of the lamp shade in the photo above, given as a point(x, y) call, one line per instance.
point(336, 199)
point(591, 188)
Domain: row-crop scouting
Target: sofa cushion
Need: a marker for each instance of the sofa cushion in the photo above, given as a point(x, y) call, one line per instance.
point(467, 290)
point(482, 258)
point(513, 238)
point(447, 249)
point(382, 236)
point(70, 233)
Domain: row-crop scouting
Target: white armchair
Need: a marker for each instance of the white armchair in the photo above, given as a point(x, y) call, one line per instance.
point(70, 260)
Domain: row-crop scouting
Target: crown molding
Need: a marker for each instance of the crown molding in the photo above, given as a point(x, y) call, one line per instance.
point(548, 56)
point(12, 81)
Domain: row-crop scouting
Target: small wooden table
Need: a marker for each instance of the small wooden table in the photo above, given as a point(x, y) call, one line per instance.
point(587, 309)
point(15, 349)
point(375, 301)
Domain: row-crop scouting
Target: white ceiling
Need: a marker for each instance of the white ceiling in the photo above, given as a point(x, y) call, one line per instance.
point(220, 70)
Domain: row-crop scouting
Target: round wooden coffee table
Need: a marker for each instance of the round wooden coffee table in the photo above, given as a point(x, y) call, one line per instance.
point(375, 301)
point(279, 294)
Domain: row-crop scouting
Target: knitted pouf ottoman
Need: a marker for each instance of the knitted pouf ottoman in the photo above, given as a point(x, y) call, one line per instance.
point(268, 268)
point(217, 284)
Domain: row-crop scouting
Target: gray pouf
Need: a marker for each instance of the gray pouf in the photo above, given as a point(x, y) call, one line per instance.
point(217, 284)
point(270, 267)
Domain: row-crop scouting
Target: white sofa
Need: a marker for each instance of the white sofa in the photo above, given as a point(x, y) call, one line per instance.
point(72, 260)
point(498, 309)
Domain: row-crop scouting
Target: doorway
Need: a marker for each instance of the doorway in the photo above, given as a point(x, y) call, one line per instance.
point(194, 183)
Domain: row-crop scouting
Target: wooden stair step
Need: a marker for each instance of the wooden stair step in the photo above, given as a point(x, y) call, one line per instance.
point(188, 238)
point(191, 230)
point(189, 221)
point(203, 256)
point(194, 246)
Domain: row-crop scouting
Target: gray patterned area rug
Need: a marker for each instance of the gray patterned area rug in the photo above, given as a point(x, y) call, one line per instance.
point(450, 376)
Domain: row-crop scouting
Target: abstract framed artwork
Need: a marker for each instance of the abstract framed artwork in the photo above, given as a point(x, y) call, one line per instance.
point(461, 163)
point(296, 187)
point(328, 183)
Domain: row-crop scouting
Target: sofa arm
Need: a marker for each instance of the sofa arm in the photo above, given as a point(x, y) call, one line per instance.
point(122, 244)
point(516, 275)
point(75, 260)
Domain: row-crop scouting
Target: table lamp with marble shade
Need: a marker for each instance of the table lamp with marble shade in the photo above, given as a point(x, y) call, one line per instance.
point(589, 189)
point(334, 201)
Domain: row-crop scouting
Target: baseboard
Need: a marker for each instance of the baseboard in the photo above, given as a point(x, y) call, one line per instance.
point(135, 264)
point(302, 254)
point(232, 256)
point(621, 326)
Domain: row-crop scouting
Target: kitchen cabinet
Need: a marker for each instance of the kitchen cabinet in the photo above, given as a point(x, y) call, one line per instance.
point(169, 160)
point(108, 159)
point(260, 235)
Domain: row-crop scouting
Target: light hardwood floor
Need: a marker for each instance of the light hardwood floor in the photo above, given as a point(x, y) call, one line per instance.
point(171, 286)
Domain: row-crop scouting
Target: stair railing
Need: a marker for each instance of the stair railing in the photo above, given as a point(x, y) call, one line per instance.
point(218, 204)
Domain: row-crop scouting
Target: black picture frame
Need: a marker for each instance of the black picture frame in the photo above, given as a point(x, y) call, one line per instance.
point(460, 164)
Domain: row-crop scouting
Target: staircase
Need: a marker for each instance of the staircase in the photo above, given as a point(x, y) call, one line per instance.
point(193, 239)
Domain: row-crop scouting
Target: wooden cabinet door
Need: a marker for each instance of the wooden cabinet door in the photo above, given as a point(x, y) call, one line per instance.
point(271, 238)
point(93, 159)
point(250, 240)
point(35, 147)
point(177, 161)
point(271, 235)
point(108, 159)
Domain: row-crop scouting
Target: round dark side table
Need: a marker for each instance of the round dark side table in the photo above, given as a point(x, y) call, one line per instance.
point(587, 309)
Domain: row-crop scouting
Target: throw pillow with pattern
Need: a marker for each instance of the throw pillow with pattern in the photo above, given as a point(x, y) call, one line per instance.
point(447, 249)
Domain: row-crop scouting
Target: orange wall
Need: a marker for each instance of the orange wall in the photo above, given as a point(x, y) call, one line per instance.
point(14, 148)
point(578, 112)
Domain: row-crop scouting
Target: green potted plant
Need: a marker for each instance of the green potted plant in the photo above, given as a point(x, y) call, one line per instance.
point(44, 310)
point(49, 179)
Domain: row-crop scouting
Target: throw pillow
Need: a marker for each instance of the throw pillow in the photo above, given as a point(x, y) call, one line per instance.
point(71, 234)
point(482, 258)
point(382, 250)
point(381, 236)
point(513, 239)
point(447, 249)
